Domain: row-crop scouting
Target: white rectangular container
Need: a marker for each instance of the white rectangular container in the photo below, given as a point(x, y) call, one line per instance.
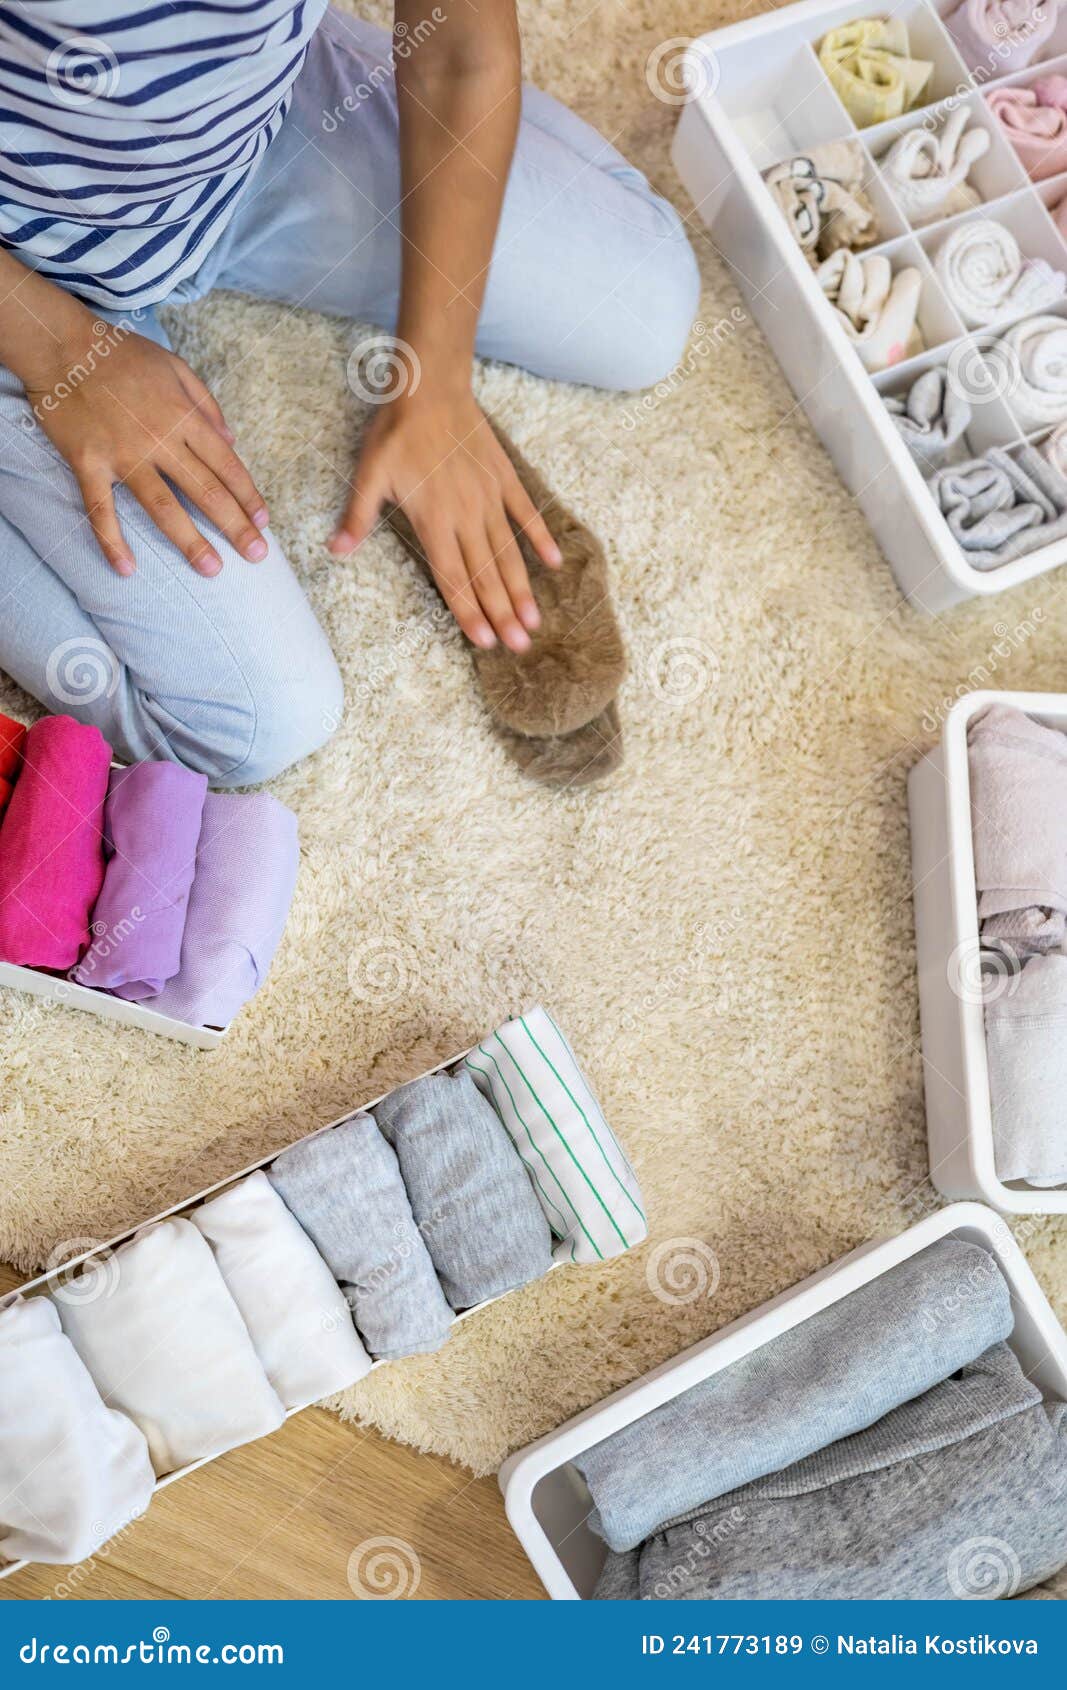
point(546, 1498)
point(757, 96)
point(44, 1282)
point(68, 992)
point(959, 1121)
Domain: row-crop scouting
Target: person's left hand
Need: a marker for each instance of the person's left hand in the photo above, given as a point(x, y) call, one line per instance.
point(437, 457)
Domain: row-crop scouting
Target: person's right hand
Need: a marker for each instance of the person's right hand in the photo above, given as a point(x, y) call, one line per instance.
point(136, 413)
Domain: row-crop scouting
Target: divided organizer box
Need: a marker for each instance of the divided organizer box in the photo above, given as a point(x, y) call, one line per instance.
point(546, 1497)
point(759, 96)
point(46, 1282)
point(959, 1121)
point(69, 993)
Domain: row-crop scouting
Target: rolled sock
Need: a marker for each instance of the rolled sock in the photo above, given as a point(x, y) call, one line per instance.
point(1054, 449)
point(958, 1494)
point(165, 1343)
point(1030, 360)
point(470, 1195)
point(51, 844)
point(151, 827)
point(1002, 506)
point(987, 278)
point(1018, 781)
point(1026, 1054)
point(584, 1183)
point(1035, 122)
point(932, 419)
point(345, 1188)
point(1001, 36)
point(825, 1379)
point(927, 169)
point(246, 867)
point(295, 1312)
point(12, 739)
point(876, 308)
point(823, 196)
point(72, 1471)
point(868, 62)
point(1028, 932)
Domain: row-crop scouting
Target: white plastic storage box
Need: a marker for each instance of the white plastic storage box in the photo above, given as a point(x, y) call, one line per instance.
point(959, 1121)
point(547, 1500)
point(59, 1275)
point(68, 992)
point(757, 96)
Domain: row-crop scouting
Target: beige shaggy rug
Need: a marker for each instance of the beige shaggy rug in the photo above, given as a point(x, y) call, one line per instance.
point(725, 931)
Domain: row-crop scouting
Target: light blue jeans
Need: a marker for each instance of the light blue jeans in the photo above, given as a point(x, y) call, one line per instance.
point(592, 280)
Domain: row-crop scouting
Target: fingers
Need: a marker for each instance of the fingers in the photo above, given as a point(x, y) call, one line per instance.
point(99, 500)
point(204, 401)
point(514, 579)
point(210, 493)
point(231, 472)
point(525, 515)
point(156, 498)
point(364, 506)
point(446, 560)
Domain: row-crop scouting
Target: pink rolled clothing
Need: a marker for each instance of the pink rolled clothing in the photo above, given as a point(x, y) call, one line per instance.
point(1034, 120)
point(12, 739)
point(52, 845)
point(1000, 36)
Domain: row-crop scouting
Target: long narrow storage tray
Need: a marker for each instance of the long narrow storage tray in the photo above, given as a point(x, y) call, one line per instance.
point(547, 1500)
point(758, 95)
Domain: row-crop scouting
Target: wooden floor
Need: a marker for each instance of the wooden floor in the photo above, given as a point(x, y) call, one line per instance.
point(302, 1514)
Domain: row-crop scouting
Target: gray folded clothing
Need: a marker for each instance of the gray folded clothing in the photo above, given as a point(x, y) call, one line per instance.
point(958, 1494)
point(824, 1379)
point(1002, 506)
point(1026, 1054)
point(344, 1187)
point(472, 1199)
point(932, 419)
point(1018, 778)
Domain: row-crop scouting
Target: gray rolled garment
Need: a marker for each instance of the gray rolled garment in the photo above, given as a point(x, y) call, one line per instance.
point(828, 1377)
point(961, 1493)
point(1018, 778)
point(472, 1199)
point(344, 1187)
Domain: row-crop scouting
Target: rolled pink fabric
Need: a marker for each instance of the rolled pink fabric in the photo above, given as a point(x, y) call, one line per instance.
point(51, 844)
point(1034, 120)
point(1001, 35)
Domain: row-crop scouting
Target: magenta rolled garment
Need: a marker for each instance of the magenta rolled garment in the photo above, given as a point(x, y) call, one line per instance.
point(1000, 36)
point(151, 828)
point(52, 845)
point(1034, 119)
point(246, 866)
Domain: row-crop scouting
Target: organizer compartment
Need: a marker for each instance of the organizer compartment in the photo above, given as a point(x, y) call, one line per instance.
point(955, 1071)
point(757, 99)
point(546, 1498)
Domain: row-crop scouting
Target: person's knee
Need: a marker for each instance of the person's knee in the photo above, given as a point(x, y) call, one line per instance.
point(290, 720)
point(656, 307)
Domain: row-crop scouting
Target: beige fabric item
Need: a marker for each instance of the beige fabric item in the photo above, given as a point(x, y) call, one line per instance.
point(823, 196)
point(876, 308)
point(779, 691)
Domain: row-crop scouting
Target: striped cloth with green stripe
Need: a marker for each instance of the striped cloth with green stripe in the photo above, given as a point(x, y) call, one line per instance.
point(585, 1185)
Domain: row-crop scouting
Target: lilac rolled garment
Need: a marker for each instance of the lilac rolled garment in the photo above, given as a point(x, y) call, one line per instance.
point(246, 867)
point(151, 828)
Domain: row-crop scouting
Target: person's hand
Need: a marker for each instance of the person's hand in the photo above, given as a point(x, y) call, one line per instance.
point(136, 413)
point(438, 458)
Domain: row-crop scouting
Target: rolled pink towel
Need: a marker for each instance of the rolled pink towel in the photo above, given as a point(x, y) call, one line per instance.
point(1001, 35)
point(51, 844)
point(1034, 120)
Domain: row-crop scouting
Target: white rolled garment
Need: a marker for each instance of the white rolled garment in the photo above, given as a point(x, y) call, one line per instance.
point(927, 169)
point(295, 1311)
point(876, 308)
point(986, 277)
point(72, 1471)
point(1030, 360)
point(165, 1343)
point(584, 1183)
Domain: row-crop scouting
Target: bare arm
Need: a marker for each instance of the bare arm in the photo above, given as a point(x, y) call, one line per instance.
point(430, 448)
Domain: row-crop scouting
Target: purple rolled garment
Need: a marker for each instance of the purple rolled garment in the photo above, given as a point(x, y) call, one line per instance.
point(246, 867)
point(151, 827)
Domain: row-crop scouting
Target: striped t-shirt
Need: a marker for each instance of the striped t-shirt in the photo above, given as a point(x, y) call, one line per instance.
point(128, 128)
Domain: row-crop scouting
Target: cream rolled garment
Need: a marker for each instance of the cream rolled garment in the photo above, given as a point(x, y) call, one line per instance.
point(584, 1183)
point(72, 1471)
point(870, 67)
point(1030, 361)
point(295, 1311)
point(927, 169)
point(165, 1343)
point(876, 308)
point(986, 277)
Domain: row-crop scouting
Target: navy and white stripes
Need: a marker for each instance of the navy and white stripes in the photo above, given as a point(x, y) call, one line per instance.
point(128, 128)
